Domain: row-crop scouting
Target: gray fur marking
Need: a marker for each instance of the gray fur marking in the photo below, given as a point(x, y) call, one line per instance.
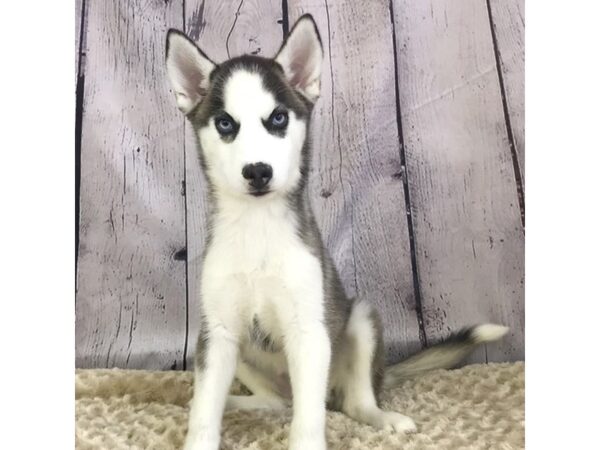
point(201, 346)
point(261, 339)
point(378, 362)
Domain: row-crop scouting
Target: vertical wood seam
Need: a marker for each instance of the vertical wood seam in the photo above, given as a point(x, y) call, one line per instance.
point(79, 90)
point(509, 132)
point(285, 19)
point(409, 219)
point(185, 224)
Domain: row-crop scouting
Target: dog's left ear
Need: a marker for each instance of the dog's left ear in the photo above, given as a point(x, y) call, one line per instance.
point(301, 56)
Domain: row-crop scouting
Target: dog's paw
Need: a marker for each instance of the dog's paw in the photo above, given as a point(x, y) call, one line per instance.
point(201, 445)
point(305, 444)
point(198, 441)
point(306, 441)
point(393, 421)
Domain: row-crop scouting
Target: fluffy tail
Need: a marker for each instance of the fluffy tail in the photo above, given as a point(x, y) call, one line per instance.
point(445, 355)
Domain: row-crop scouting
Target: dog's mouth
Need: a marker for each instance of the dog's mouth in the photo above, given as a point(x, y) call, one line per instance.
point(259, 193)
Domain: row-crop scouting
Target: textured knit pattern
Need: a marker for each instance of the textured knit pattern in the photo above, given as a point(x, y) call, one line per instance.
point(475, 407)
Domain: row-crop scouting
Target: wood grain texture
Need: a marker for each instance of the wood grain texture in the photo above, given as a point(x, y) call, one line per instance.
point(222, 29)
point(130, 303)
point(78, 26)
point(80, 49)
point(355, 181)
point(509, 28)
point(468, 234)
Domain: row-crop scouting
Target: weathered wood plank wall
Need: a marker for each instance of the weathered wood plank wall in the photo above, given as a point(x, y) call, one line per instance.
point(508, 32)
point(415, 181)
point(130, 303)
point(465, 210)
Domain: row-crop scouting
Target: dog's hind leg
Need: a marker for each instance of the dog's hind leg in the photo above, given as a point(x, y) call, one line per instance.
point(358, 371)
point(265, 392)
point(254, 402)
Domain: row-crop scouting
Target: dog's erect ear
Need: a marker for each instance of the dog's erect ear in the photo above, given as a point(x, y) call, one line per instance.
point(188, 70)
point(301, 57)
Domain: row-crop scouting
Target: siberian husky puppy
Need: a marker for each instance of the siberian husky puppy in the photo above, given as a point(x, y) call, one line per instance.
point(274, 313)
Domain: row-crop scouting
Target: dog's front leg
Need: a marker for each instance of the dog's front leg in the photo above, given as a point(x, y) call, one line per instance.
point(308, 350)
point(212, 379)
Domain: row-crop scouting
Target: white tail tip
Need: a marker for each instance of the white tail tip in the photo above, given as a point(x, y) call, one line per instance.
point(488, 332)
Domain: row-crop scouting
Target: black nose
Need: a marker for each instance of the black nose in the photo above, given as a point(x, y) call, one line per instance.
point(259, 174)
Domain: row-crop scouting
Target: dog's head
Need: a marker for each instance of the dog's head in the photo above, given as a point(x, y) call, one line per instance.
point(250, 114)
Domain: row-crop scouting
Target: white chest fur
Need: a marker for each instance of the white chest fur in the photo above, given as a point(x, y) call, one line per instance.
point(258, 267)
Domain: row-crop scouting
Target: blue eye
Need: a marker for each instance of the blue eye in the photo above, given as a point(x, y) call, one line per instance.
point(224, 125)
point(279, 119)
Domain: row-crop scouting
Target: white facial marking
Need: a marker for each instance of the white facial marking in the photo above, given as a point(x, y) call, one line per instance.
point(249, 103)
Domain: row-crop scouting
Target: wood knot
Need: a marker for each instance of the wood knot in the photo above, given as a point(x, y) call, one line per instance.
point(180, 255)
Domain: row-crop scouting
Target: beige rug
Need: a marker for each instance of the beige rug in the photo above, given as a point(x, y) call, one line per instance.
point(476, 407)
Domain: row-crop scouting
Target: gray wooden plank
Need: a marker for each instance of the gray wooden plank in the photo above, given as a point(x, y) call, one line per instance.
point(78, 22)
point(468, 234)
point(222, 29)
point(509, 29)
point(80, 47)
point(355, 181)
point(80, 36)
point(130, 302)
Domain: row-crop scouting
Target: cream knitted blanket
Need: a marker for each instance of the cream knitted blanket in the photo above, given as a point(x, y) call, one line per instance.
point(475, 407)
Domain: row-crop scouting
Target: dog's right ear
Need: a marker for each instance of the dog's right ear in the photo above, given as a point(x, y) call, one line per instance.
point(301, 57)
point(188, 69)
